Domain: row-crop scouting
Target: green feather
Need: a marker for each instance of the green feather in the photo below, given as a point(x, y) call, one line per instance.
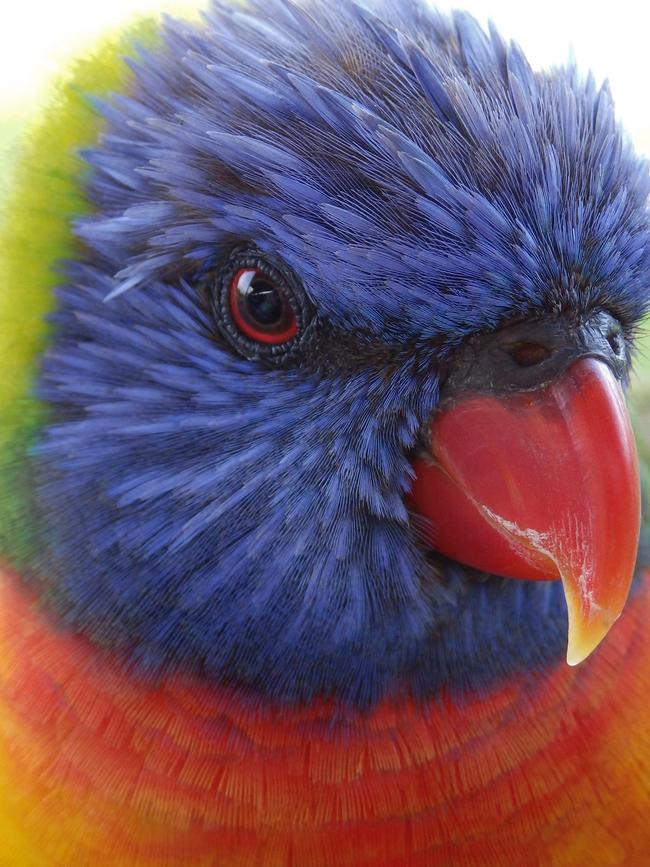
point(45, 193)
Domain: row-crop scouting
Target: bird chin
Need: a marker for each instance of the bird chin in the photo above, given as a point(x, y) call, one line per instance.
point(539, 485)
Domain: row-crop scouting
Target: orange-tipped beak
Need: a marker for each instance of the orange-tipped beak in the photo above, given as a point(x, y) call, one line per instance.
point(541, 484)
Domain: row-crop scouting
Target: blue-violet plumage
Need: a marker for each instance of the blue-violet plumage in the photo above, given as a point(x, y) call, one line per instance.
point(422, 183)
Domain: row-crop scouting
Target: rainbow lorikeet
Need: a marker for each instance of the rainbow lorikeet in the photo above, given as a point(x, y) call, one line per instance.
point(316, 463)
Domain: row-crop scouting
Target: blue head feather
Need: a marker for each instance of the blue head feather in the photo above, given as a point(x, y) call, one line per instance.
point(423, 183)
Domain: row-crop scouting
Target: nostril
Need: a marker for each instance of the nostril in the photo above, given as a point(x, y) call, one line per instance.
point(615, 341)
point(528, 354)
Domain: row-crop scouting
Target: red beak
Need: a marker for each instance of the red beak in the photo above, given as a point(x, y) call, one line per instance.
point(541, 484)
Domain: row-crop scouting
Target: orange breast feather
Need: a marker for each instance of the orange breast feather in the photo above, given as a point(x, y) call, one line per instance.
point(101, 768)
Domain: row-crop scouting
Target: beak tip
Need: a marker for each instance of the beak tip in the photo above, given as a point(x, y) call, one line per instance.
point(585, 636)
point(580, 647)
point(574, 656)
point(578, 651)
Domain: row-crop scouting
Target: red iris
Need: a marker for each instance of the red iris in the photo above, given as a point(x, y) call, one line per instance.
point(260, 309)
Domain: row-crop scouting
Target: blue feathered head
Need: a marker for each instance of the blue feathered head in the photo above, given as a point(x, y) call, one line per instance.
point(237, 505)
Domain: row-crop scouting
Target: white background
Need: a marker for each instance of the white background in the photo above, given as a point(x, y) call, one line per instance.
point(610, 38)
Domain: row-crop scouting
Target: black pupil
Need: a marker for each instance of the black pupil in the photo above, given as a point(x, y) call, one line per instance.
point(264, 303)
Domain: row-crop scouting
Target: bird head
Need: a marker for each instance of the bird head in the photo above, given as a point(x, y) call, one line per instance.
point(336, 374)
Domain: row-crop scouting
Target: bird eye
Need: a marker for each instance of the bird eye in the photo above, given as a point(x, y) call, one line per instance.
point(259, 305)
point(260, 309)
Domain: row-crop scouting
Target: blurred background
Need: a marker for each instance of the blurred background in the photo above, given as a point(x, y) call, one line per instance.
point(609, 38)
point(37, 38)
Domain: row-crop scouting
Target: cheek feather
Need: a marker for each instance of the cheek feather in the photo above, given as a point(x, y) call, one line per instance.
point(118, 770)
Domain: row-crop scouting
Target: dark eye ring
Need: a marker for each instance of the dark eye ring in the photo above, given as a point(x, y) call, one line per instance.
point(259, 304)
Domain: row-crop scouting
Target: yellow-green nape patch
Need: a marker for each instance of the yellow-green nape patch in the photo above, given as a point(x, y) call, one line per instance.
point(46, 194)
